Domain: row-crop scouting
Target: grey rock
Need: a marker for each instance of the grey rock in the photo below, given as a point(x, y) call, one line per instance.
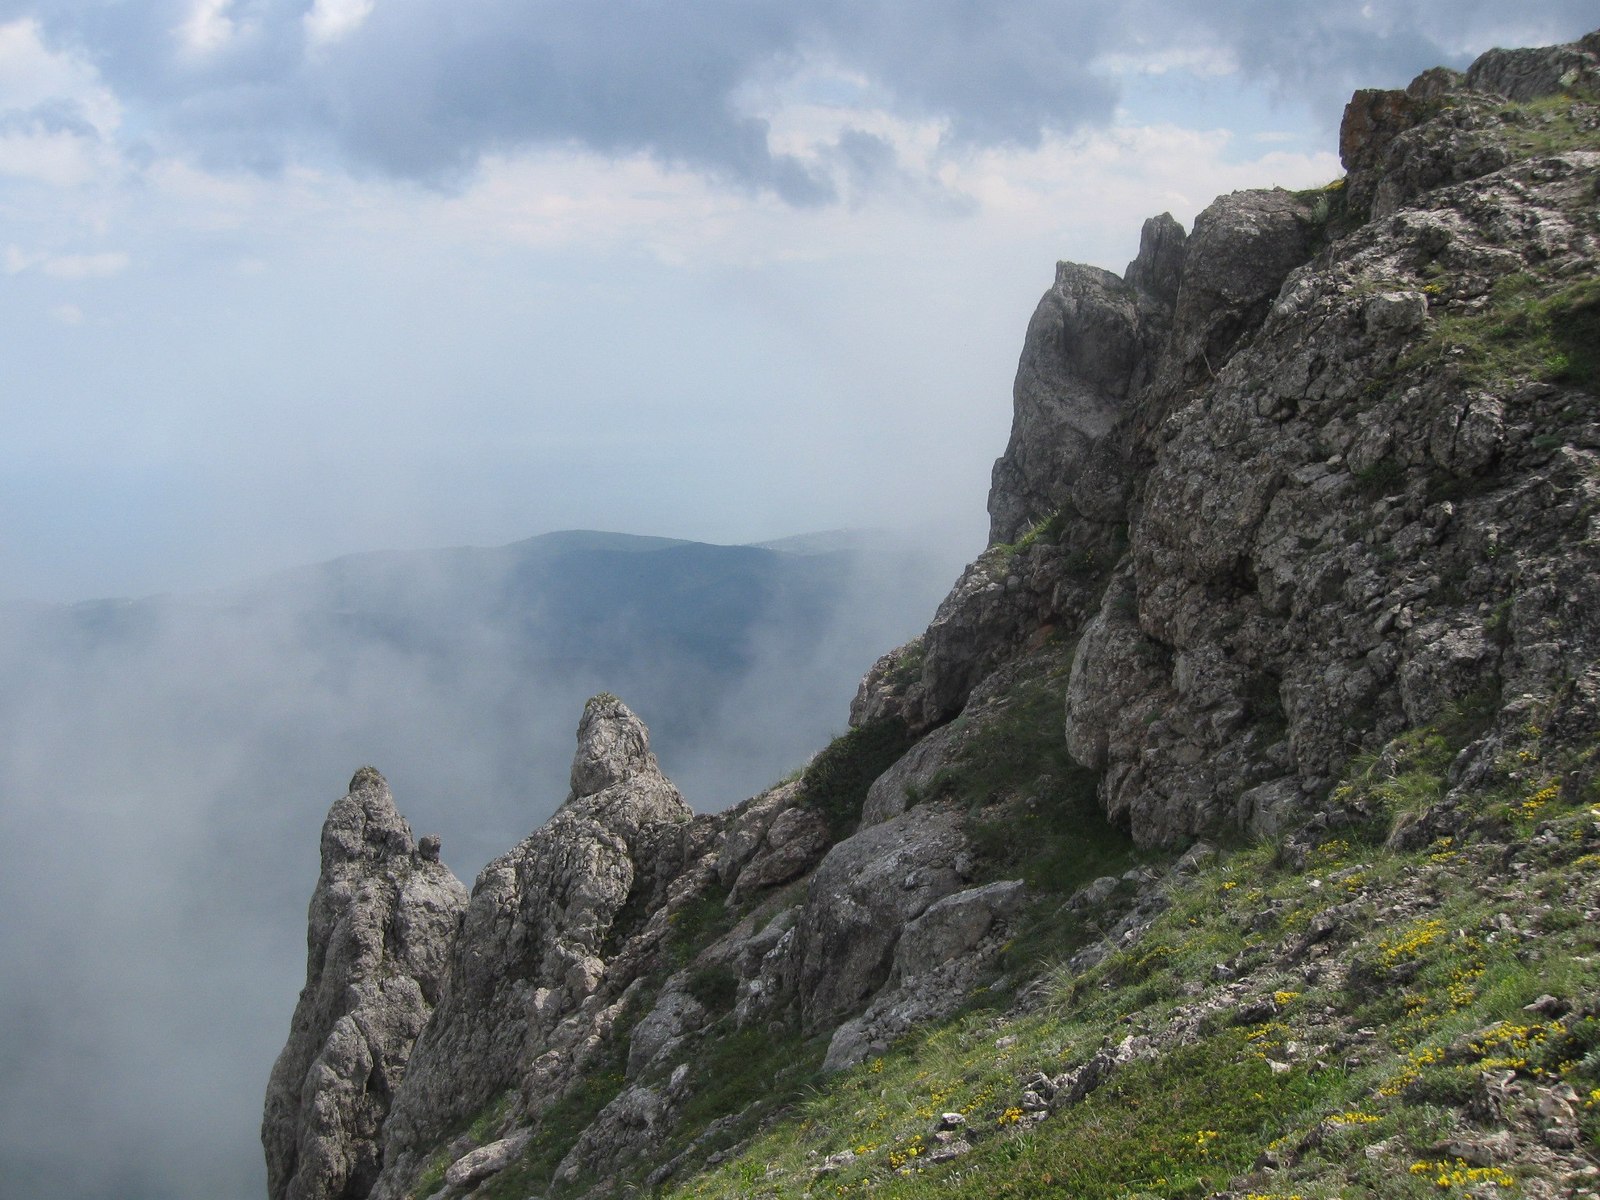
point(859, 902)
point(1092, 343)
point(661, 1030)
point(1534, 72)
point(791, 845)
point(382, 919)
point(1157, 270)
point(938, 959)
point(1094, 893)
point(954, 926)
point(628, 1129)
point(1395, 312)
point(746, 830)
point(892, 688)
point(1236, 258)
point(477, 1165)
point(911, 776)
point(527, 998)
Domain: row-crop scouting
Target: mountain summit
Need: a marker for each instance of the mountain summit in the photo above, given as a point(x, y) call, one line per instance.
point(1231, 831)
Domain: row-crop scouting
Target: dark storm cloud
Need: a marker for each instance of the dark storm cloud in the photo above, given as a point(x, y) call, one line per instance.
point(423, 88)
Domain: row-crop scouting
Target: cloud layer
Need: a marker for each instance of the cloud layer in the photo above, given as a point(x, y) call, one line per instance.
point(424, 89)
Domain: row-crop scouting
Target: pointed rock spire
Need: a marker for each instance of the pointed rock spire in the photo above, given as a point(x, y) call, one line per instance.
point(381, 922)
point(536, 969)
point(364, 824)
point(613, 747)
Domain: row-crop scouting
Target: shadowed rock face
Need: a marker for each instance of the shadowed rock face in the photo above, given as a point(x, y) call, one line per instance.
point(1088, 346)
point(381, 922)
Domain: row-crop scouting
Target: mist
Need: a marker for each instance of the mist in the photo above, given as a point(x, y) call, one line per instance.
point(166, 764)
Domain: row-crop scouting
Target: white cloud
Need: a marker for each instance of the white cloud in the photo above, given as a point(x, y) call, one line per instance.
point(31, 74)
point(1092, 189)
point(61, 160)
point(207, 28)
point(65, 266)
point(86, 266)
point(1201, 61)
point(330, 20)
point(67, 314)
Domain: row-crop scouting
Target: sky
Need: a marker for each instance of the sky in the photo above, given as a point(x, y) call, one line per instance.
point(288, 279)
point(291, 278)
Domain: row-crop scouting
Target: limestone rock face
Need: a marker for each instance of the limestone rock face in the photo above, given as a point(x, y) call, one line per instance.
point(1241, 248)
point(527, 988)
point(859, 901)
point(1089, 345)
point(1289, 487)
point(1448, 128)
point(382, 920)
point(941, 954)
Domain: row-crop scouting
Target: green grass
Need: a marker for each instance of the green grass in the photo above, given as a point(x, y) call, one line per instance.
point(701, 921)
point(1551, 125)
point(1531, 328)
point(907, 667)
point(1441, 989)
point(835, 782)
point(1327, 211)
point(557, 1131)
point(1032, 811)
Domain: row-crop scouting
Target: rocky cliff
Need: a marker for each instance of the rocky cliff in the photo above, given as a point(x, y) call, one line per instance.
point(1293, 571)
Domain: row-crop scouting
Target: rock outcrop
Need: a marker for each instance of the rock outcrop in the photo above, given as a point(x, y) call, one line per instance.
point(1323, 472)
point(382, 920)
point(1285, 500)
point(528, 990)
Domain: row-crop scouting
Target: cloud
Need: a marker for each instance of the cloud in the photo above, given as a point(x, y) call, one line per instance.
point(1317, 53)
point(330, 20)
point(66, 266)
point(207, 28)
point(427, 90)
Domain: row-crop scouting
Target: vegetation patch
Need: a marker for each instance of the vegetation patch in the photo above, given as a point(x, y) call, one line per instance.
point(701, 921)
point(835, 782)
point(1530, 328)
point(1552, 124)
point(1383, 478)
point(1379, 989)
point(1032, 811)
point(1327, 212)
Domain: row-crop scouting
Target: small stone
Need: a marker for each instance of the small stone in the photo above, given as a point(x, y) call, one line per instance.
point(485, 1161)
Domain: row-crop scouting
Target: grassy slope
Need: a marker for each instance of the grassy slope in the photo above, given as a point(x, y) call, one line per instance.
point(1364, 996)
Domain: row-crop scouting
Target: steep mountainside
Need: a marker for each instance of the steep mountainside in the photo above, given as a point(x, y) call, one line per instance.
point(1232, 830)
